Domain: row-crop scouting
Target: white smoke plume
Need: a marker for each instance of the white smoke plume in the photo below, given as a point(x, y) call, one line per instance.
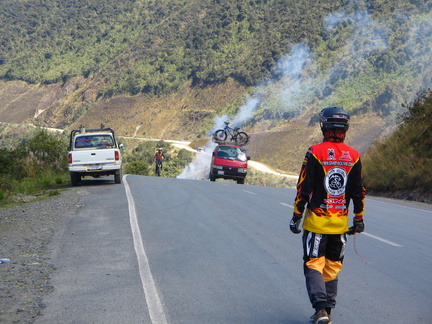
point(366, 37)
point(200, 167)
point(246, 112)
point(291, 67)
point(301, 78)
point(295, 78)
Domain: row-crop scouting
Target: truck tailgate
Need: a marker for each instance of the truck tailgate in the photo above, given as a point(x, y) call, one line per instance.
point(102, 156)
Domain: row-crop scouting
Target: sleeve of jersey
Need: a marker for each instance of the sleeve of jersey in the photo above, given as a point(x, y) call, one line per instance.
point(359, 191)
point(304, 185)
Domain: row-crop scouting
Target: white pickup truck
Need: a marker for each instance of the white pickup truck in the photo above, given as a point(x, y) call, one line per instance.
point(94, 152)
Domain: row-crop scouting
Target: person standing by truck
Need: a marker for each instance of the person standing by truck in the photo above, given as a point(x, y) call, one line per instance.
point(329, 178)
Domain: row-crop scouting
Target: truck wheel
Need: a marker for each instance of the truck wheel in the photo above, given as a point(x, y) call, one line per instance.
point(241, 181)
point(118, 176)
point(211, 177)
point(75, 178)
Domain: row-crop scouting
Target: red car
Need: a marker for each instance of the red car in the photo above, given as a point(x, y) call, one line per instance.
point(229, 162)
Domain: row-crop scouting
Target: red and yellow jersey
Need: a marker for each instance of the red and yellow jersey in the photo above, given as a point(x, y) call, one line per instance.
point(159, 156)
point(329, 178)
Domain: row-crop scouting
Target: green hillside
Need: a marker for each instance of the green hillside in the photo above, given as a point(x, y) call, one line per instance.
point(151, 46)
point(168, 69)
point(367, 53)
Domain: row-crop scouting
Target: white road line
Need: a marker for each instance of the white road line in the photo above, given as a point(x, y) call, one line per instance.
point(382, 239)
point(397, 205)
point(250, 192)
point(154, 304)
point(284, 204)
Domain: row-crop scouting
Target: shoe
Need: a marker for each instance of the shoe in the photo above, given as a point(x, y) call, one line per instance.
point(328, 310)
point(321, 317)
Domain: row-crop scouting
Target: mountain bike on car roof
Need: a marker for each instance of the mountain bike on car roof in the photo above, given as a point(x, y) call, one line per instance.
point(235, 136)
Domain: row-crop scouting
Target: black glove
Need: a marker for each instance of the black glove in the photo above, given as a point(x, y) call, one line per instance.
point(294, 224)
point(358, 227)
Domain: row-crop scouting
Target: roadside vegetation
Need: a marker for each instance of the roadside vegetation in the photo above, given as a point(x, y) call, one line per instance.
point(138, 158)
point(32, 166)
point(34, 162)
point(400, 165)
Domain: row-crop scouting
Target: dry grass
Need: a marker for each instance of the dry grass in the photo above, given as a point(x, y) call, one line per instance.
point(400, 165)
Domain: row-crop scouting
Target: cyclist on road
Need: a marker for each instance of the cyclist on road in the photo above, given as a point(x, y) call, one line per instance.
point(158, 158)
point(329, 178)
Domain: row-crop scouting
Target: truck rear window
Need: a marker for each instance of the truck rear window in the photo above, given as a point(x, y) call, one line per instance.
point(232, 153)
point(92, 141)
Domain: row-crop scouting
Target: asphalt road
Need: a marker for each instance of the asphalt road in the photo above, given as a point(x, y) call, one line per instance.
point(159, 250)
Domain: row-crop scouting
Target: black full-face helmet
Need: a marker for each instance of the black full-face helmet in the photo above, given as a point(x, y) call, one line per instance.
point(334, 117)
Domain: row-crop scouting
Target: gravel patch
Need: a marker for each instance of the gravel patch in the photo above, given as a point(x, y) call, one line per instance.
point(26, 230)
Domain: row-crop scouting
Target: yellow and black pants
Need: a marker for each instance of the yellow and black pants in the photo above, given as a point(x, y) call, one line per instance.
point(323, 257)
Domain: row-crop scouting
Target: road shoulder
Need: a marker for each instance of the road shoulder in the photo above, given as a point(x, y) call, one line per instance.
point(26, 232)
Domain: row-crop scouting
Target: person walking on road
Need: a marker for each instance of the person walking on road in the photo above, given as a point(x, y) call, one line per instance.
point(329, 178)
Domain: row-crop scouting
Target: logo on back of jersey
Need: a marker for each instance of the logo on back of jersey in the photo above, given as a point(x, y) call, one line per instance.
point(335, 181)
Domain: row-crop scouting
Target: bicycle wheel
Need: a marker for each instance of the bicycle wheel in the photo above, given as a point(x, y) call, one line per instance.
point(219, 136)
point(242, 138)
point(158, 169)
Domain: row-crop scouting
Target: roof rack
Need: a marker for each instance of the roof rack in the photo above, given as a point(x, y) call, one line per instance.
point(227, 142)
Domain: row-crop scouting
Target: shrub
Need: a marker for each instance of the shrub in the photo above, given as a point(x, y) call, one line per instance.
point(46, 151)
point(137, 167)
point(36, 164)
point(53, 193)
point(402, 162)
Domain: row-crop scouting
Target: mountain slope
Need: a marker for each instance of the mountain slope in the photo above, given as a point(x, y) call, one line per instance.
point(166, 69)
point(151, 46)
point(155, 47)
point(400, 164)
